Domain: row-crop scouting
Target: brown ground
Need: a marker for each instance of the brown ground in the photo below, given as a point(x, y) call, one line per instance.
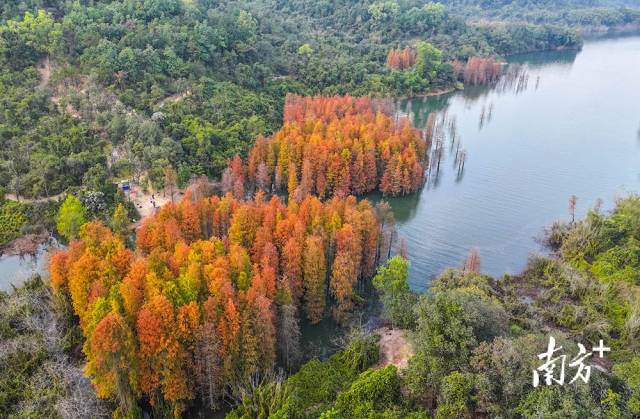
point(57, 197)
point(395, 348)
point(174, 98)
point(143, 200)
point(44, 69)
point(25, 245)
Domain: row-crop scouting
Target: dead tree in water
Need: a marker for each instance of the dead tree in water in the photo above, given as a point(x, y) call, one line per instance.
point(523, 82)
point(453, 126)
point(516, 79)
point(402, 248)
point(387, 231)
point(572, 207)
point(472, 264)
point(461, 158)
point(430, 126)
point(482, 117)
point(453, 132)
point(437, 150)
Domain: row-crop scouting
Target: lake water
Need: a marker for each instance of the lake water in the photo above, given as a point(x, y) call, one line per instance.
point(14, 269)
point(571, 127)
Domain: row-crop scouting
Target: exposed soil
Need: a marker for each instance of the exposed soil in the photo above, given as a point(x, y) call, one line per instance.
point(65, 88)
point(44, 69)
point(439, 92)
point(174, 98)
point(395, 348)
point(57, 197)
point(25, 245)
point(148, 202)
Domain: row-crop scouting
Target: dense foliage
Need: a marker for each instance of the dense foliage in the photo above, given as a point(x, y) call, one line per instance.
point(17, 219)
point(211, 295)
point(477, 339)
point(71, 217)
point(40, 377)
point(395, 294)
point(316, 386)
point(606, 245)
point(12, 220)
point(209, 299)
point(334, 147)
point(597, 15)
point(100, 91)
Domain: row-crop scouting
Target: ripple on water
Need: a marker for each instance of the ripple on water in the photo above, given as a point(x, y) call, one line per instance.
point(576, 133)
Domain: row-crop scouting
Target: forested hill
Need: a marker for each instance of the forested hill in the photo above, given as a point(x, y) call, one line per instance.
point(587, 15)
point(98, 91)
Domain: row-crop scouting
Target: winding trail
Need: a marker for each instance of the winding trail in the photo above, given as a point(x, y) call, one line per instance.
point(57, 197)
point(44, 69)
point(174, 98)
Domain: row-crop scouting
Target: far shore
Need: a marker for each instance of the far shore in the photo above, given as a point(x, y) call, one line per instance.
point(438, 92)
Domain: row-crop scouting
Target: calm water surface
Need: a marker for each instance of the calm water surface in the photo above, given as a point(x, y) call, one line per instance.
point(14, 269)
point(572, 128)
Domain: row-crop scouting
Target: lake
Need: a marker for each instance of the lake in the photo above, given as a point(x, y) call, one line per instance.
point(15, 269)
point(568, 125)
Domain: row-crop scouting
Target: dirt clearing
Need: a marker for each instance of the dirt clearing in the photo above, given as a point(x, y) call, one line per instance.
point(395, 348)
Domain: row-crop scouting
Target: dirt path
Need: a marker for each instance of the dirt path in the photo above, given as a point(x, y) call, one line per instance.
point(395, 348)
point(57, 197)
point(174, 98)
point(44, 69)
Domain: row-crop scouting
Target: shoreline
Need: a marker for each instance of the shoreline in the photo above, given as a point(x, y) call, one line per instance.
point(26, 245)
point(452, 89)
point(595, 31)
point(430, 93)
point(437, 92)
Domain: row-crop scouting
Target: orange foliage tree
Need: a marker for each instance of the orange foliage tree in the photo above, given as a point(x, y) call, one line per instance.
point(336, 146)
point(480, 70)
point(194, 309)
point(401, 59)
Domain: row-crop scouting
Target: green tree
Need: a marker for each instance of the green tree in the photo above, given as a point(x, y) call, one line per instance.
point(396, 296)
point(373, 391)
point(120, 222)
point(428, 60)
point(450, 324)
point(23, 42)
point(444, 340)
point(71, 217)
point(38, 31)
point(456, 396)
point(434, 13)
point(245, 31)
point(305, 49)
point(267, 399)
point(383, 10)
point(557, 402)
point(629, 373)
